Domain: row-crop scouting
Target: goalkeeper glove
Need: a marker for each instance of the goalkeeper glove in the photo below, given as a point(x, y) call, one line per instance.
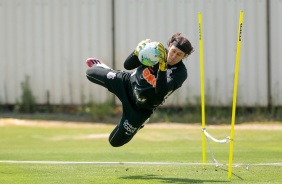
point(162, 57)
point(140, 46)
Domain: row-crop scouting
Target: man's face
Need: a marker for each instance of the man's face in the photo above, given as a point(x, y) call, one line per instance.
point(174, 55)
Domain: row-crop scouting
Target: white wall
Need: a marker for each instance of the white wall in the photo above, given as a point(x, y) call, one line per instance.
point(49, 40)
point(276, 52)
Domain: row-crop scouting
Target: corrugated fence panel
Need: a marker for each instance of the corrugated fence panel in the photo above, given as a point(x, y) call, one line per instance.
point(253, 82)
point(49, 42)
point(220, 43)
point(275, 51)
point(3, 64)
point(158, 20)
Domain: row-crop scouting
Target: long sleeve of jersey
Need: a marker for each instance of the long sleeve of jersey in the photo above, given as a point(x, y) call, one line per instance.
point(161, 83)
point(172, 79)
point(131, 62)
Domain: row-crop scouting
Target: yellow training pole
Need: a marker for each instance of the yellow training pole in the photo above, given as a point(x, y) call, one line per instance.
point(235, 94)
point(202, 88)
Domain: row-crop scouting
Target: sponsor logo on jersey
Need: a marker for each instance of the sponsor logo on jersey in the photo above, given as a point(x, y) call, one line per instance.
point(149, 77)
point(128, 127)
point(128, 133)
point(169, 71)
point(111, 75)
point(139, 98)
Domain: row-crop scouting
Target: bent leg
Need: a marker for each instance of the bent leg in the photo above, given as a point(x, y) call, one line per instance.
point(127, 128)
point(116, 81)
point(122, 133)
point(97, 75)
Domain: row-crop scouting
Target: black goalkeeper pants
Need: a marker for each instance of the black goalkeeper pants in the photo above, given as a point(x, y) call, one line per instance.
point(133, 117)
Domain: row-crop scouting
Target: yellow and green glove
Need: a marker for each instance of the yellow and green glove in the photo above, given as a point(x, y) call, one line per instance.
point(162, 57)
point(140, 46)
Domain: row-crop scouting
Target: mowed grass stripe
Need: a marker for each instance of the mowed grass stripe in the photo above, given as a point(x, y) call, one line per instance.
point(159, 153)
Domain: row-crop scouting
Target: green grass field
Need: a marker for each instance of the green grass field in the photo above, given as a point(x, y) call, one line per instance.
point(160, 153)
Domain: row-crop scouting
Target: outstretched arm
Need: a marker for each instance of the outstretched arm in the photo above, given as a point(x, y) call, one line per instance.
point(131, 62)
point(166, 84)
point(161, 84)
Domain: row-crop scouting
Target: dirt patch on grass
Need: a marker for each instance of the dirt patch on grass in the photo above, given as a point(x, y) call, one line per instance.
point(247, 126)
point(45, 123)
point(171, 125)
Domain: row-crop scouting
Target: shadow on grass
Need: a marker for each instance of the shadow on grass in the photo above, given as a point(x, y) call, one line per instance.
point(172, 180)
point(232, 173)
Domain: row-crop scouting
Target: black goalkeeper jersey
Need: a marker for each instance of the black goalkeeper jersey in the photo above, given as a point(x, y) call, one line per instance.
point(151, 86)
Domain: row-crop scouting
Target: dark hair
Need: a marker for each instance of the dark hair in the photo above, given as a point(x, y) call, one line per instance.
point(181, 42)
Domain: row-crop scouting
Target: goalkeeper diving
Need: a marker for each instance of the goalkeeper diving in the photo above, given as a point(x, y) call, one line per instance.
point(144, 88)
